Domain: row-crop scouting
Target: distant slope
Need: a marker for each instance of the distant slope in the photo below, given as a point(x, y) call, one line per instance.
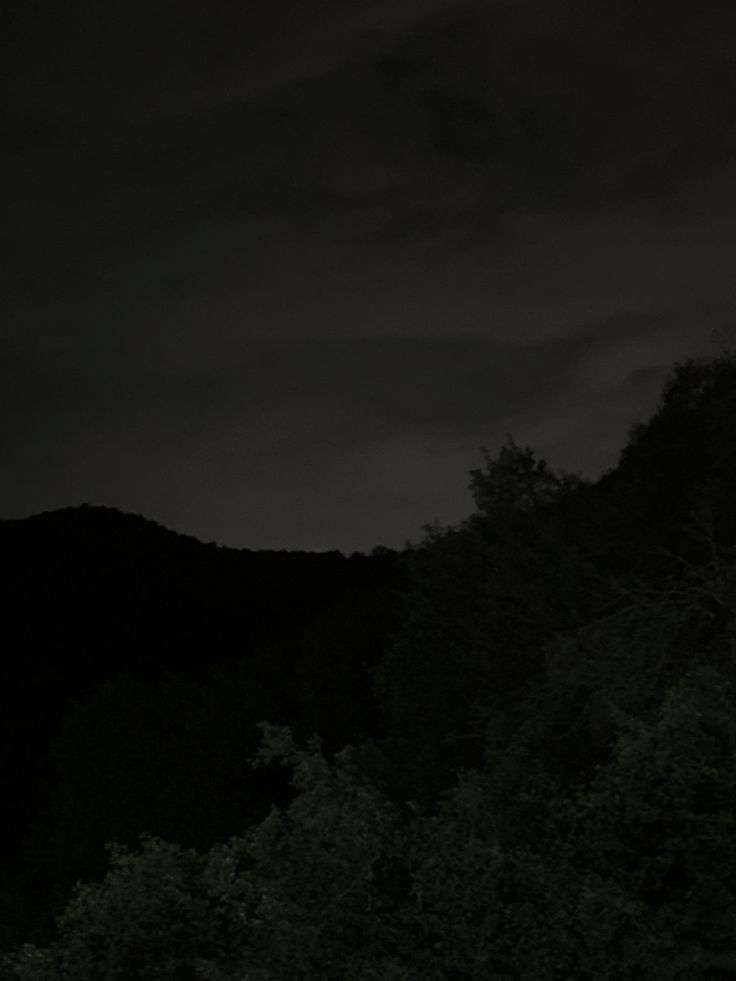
point(92, 592)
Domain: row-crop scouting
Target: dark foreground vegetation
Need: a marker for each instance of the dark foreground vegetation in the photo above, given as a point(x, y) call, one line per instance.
point(506, 752)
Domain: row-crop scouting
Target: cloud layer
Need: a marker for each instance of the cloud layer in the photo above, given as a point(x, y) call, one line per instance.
point(273, 278)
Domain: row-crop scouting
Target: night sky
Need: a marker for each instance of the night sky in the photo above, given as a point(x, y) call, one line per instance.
point(273, 273)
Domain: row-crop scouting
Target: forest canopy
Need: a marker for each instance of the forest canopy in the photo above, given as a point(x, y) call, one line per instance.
point(538, 783)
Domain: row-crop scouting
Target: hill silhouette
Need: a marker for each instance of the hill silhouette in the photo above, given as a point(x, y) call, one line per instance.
point(137, 662)
point(94, 594)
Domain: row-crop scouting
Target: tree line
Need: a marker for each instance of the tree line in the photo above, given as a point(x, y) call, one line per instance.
point(526, 770)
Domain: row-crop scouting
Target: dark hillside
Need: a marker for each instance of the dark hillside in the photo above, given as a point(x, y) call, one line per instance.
point(137, 662)
point(92, 594)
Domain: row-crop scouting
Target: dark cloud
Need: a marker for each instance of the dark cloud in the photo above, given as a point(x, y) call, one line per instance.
point(273, 273)
point(471, 113)
point(267, 414)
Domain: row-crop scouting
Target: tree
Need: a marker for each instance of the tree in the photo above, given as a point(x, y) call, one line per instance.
point(554, 797)
point(166, 758)
point(291, 898)
point(516, 484)
point(519, 873)
point(484, 597)
point(684, 454)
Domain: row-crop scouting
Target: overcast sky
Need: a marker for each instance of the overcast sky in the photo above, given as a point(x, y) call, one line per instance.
point(273, 273)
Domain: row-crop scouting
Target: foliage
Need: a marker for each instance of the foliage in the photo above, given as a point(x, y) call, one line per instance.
point(277, 902)
point(519, 873)
point(164, 757)
point(485, 598)
point(515, 483)
point(555, 794)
